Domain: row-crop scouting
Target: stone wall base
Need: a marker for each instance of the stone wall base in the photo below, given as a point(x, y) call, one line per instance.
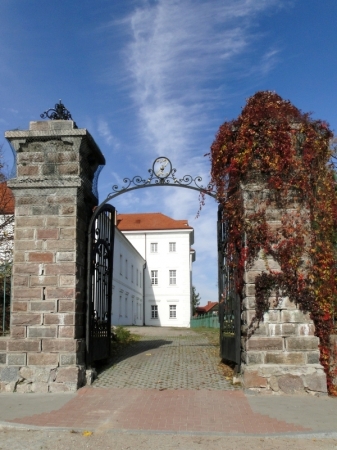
point(285, 379)
point(43, 379)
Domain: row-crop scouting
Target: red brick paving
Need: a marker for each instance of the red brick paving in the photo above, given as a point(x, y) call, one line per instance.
point(167, 410)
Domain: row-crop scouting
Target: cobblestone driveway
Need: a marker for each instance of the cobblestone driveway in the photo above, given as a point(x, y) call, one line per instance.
point(166, 359)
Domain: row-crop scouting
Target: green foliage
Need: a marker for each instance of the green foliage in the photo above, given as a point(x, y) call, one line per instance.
point(121, 338)
point(195, 300)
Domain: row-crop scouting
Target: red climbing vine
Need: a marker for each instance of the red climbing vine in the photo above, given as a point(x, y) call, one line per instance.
point(283, 156)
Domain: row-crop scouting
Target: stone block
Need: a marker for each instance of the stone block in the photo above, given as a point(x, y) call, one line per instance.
point(30, 157)
point(67, 280)
point(313, 357)
point(18, 332)
point(26, 293)
point(67, 375)
point(47, 233)
point(45, 331)
point(27, 233)
point(68, 169)
point(30, 170)
point(27, 222)
point(316, 382)
point(250, 290)
point(19, 306)
point(302, 343)
point(254, 358)
point(28, 245)
point(39, 387)
point(306, 329)
point(65, 256)
point(44, 305)
point(272, 316)
point(59, 319)
point(274, 384)
point(24, 388)
point(43, 359)
point(59, 345)
point(61, 221)
point(3, 358)
point(61, 245)
point(26, 319)
point(249, 303)
point(61, 387)
point(264, 343)
point(3, 344)
point(295, 316)
point(45, 210)
point(288, 329)
point(67, 233)
point(27, 373)
point(24, 345)
point(67, 331)
point(60, 293)
point(290, 384)
point(26, 269)
point(43, 280)
point(46, 257)
point(285, 358)
point(66, 306)
point(20, 280)
point(9, 374)
point(250, 275)
point(67, 210)
point(68, 359)
point(61, 268)
point(252, 379)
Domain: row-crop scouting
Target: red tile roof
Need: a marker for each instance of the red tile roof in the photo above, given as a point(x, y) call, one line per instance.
point(206, 308)
point(6, 199)
point(149, 221)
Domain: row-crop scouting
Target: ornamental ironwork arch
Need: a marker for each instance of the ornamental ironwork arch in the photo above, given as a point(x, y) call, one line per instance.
point(161, 174)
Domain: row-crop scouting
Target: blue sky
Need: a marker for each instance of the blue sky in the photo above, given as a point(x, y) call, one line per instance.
point(158, 77)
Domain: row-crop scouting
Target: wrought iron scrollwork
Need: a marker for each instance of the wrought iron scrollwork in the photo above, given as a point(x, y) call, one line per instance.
point(59, 112)
point(162, 173)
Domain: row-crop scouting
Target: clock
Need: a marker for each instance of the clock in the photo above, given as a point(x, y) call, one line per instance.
point(162, 167)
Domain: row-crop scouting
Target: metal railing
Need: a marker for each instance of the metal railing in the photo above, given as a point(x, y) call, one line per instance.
point(5, 297)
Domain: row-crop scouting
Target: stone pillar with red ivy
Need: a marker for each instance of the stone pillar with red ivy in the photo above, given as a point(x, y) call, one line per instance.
point(271, 167)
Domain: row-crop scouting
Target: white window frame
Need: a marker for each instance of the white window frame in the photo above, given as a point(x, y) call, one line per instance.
point(172, 277)
point(154, 277)
point(172, 247)
point(154, 247)
point(154, 312)
point(173, 311)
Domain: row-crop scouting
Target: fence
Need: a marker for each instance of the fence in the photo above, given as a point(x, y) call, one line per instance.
point(208, 320)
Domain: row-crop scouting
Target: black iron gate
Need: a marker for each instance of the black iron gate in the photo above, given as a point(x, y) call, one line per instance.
point(99, 294)
point(229, 300)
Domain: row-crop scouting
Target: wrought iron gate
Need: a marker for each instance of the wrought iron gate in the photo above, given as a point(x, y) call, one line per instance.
point(229, 300)
point(99, 293)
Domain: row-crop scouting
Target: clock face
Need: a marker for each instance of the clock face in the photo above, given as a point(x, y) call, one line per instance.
point(162, 167)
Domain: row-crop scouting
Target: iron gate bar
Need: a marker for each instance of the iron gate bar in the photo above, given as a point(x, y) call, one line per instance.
point(99, 290)
point(229, 300)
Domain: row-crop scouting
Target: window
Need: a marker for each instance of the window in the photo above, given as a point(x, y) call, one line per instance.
point(126, 268)
point(131, 273)
point(154, 312)
point(137, 277)
point(154, 276)
point(173, 277)
point(172, 246)
point(126, 307)
point(173, 311)
point(120, 306)
point(121, 264)
point(154, 247)
point(140, 279)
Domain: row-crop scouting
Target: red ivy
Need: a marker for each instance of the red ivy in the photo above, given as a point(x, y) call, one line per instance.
point(276, 146)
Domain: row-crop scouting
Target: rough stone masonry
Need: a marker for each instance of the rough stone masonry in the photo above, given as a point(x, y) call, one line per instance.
point(56, 163)
point(281, 354)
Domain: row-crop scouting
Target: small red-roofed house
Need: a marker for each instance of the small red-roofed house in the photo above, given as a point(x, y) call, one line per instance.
point(210, 307)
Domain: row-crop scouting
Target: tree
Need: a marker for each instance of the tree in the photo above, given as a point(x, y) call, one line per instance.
point(195, 300)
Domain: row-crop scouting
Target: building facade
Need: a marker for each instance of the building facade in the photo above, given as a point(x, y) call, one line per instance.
point(165, 244)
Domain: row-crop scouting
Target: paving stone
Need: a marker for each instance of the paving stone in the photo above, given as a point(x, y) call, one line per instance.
point(172, 362)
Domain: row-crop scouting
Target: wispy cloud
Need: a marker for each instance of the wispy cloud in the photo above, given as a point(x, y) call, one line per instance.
point(106, 134)
point(179, 56)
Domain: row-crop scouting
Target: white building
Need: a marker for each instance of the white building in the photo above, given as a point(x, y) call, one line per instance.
point(165, 245)
point(128, 292)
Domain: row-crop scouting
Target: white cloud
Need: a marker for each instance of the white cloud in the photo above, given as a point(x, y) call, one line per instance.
point(104, 132)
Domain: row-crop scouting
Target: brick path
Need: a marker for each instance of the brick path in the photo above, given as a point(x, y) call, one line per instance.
point(163, 383)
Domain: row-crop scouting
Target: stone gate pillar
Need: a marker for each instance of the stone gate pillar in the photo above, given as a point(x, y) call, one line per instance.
point(53, 194)
point(281, 354)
